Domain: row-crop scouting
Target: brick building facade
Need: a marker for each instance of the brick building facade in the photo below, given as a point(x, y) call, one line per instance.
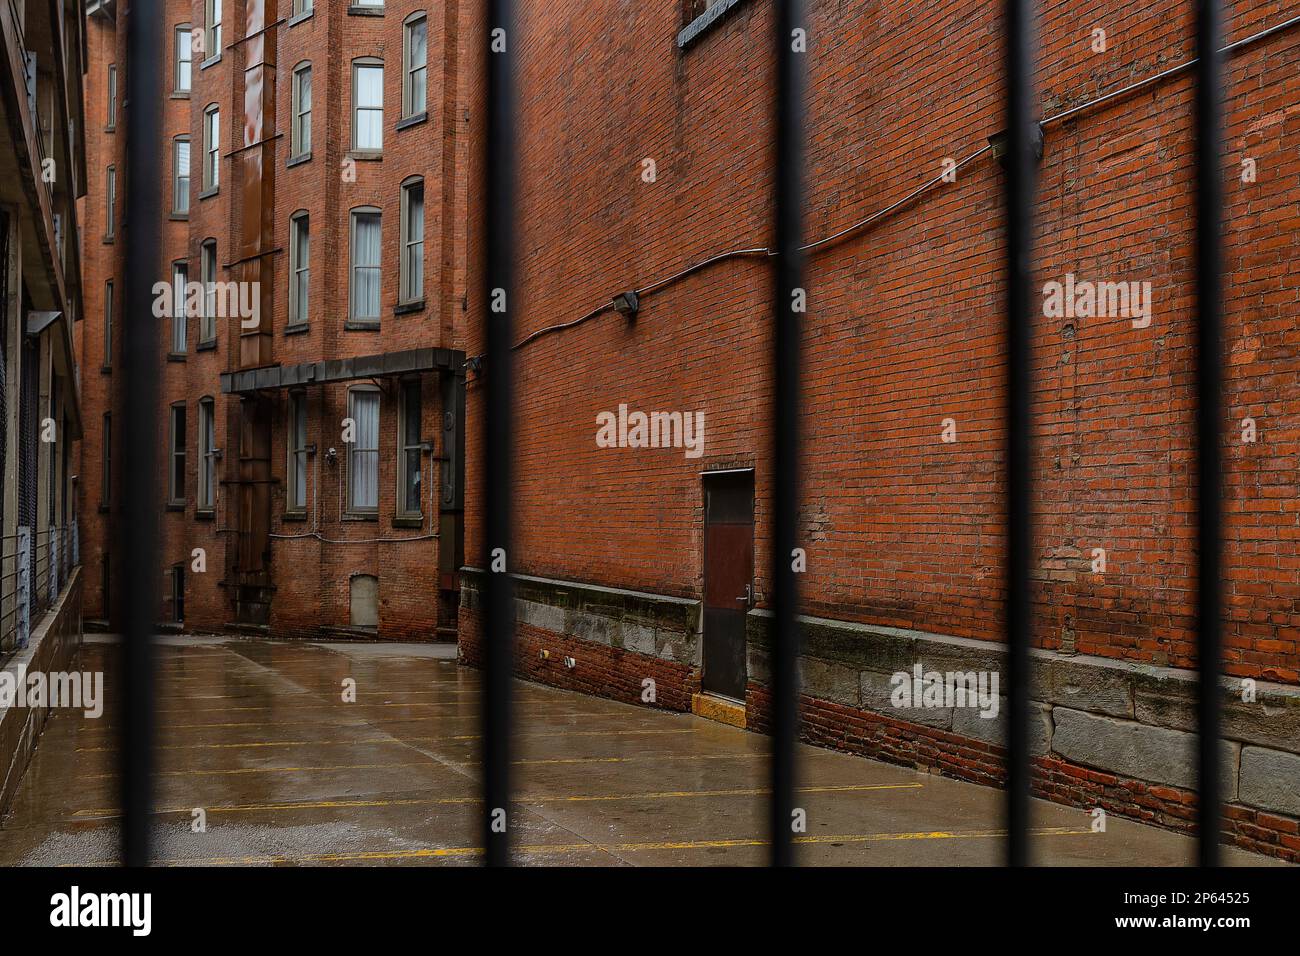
point(308, 305)
point(42, 406)
point(645, 134)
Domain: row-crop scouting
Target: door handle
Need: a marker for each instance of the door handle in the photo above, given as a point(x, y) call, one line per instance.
point(748, 595)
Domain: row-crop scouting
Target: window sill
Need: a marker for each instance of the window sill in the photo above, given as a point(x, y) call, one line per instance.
point(176, 356)
point(350, 516)
point(302, 17)
point(414, 119)
point(298, 160)
point(209, 193)
point(406, 308)
point(296, 329)
point(211, 61)
point(106, 370)
point(175, 506)
point(356, 326)
point(294, 516)
point(179, 217)
point(701, 24)
point(111, 129)
point(408, 521)
point(108, 240)
point(205, 514)
point(358, 11)
point(209, 346)
point(103, 509)
point(180, 94)
point(366, 155)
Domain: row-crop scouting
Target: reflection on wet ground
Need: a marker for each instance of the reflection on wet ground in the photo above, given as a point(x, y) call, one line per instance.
point(262, 761)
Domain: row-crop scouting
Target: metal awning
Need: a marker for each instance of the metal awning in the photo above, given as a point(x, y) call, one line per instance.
point(341, 370)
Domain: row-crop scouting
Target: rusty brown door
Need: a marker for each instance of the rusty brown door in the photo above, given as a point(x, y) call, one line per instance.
point(728, 579)
point(253, 588)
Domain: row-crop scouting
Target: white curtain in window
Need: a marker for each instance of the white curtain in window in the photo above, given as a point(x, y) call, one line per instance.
point(370, 107)
point(419, 56)
point(365, 450)
point(366, 268)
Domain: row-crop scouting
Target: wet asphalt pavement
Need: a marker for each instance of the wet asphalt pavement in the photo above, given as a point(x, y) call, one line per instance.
point(262, 762)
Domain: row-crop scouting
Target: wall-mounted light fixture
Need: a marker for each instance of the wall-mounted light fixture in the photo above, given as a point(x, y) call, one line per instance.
point(999, 143)
point(474, 364)
point(626, 304)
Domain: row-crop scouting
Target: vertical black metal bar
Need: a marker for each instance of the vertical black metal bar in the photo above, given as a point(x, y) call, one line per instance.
point(498, 610)
point(790, 302)
point(139, 423)
point(1209, 413)
point(1021, 169)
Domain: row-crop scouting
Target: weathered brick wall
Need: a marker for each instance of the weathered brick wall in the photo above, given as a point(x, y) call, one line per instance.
point(904, 327)
point(98, 265)
point(311, 576)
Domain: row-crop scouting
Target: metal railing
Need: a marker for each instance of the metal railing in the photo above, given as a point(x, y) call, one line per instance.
point(499, 276)
point(34, 570)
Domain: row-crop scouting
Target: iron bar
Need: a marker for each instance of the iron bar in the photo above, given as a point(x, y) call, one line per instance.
point(1209, 414)
point(1021, 163)
point(498, 607)
point(138, 555)
point(789, 301)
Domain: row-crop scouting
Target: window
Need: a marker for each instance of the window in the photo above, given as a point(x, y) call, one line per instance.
point(180, 330)
point(299, 268)
point(300, 134)
point(181, 175)
point(108, 324)
point(415, 53)
point(212, 35)
point(112, 96)
point(176, 470)
point(301, 6)
point(365, 265)
point(184, 58)
point(409, 451)
point(208, 456)
point(211, 148)
point(367, 3)
point(178, 593)
point(297, 483)
point(110, 200)
point(208, 276)
point(368, 105)
point(106, 462)
point(363, 452)
point(412, 266)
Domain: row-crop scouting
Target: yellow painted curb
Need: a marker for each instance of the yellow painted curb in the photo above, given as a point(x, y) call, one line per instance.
point(715, 708)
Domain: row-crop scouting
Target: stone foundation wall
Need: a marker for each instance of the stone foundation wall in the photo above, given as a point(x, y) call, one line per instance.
point(1103, 733)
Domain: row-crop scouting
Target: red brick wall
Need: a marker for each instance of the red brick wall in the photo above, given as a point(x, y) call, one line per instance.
point(904, 326)
point(98, 266)
point(599, 670)
point(311, 576)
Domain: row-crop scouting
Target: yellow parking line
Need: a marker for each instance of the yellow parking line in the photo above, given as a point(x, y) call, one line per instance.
point(471, 851)
point(388, 740)
point(431, 762)
point(101, 814)
point(101, 728)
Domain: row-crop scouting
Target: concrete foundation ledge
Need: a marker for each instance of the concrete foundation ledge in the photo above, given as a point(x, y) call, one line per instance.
point(1134, 721)
point(655, 625)
point(54, 641)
